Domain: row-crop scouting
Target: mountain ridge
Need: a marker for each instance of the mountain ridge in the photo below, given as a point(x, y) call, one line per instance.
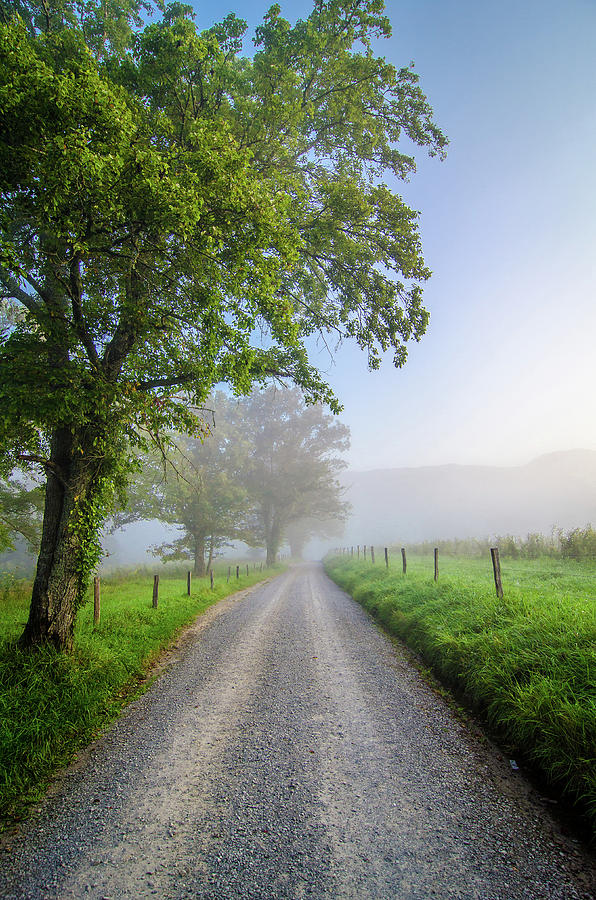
point(452, 500)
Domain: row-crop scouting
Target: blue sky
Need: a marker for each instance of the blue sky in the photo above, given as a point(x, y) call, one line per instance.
point(507, 368)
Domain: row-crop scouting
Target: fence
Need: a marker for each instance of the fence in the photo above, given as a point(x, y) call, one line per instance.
point(349, 551)
point(155, 595)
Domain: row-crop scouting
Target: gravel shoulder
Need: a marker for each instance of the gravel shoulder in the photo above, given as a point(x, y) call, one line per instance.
point(289, 749)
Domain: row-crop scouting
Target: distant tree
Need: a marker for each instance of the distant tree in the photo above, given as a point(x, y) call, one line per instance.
point(197, 487)
point(293, 462)
point(164, 203)
point(299, 532)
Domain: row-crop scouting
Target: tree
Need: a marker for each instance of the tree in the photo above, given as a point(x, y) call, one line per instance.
point(197, 487)
point(165, 202)
point(291, 472)
point(299, 532)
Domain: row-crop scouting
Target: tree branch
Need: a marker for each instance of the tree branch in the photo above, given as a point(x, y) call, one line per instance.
point(48, 465)
point(76, 292)
point(173, 381)
point(17, 293)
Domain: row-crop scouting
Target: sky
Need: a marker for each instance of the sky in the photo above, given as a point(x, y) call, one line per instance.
point(506, 370)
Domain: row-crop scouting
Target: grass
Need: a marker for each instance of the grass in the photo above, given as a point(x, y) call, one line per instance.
point(526, 663)
point(51, 704)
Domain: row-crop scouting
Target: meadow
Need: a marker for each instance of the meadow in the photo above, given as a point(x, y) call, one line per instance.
point(52, 704)
point(525, 664)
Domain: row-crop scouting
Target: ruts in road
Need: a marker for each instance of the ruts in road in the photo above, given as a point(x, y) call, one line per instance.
point(289, 750)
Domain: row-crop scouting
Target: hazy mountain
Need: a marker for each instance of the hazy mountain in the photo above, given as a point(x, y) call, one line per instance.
point(412, 504)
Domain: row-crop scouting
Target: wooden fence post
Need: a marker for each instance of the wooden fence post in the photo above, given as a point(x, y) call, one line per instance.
point(237, 571)
point(494, 552)
point(364, 551)
point(372, 554)
point(403, 560)
point(96, 601)
point(155, 590)
point(247, 570)
point(358, 548)
point(211, 574)
point(386, 558)
point(188, 580)
point(436, 563)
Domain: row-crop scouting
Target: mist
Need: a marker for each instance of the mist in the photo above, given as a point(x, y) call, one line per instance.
point(413, 504)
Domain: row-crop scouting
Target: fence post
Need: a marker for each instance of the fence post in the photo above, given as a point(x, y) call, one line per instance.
point(96, 601)
point(404, 564)
point(188, 580)
point(247, 570)
point(372, 554)
point(436, 563)
point(211, 574)
point(358, 548)
point(386, 558)
point(237, 571)
point(155, 590)
point(494, 552)
point(364, 551)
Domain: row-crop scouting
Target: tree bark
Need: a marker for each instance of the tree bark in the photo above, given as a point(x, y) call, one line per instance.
point(60, 579)
point(273, 539)
point(199, 555)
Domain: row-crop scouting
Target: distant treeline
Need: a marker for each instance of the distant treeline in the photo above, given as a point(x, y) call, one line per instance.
point(578, 543)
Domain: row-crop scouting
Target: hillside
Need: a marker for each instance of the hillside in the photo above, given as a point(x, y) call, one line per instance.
point(411, 504)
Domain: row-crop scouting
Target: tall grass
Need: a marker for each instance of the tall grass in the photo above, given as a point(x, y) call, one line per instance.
point(578, 543)
point(526, 663)
point(52, 704)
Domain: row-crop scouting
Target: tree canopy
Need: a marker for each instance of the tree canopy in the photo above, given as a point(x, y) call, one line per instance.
point(266, 472)
point(197, 487)
point(176, 215)
point(292, 466)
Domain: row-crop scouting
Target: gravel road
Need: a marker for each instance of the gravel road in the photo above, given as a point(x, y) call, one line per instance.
point(288, 750)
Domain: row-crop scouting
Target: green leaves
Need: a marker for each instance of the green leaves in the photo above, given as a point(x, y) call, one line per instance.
point(174, 215)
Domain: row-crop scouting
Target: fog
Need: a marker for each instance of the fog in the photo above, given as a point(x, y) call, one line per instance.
point(413, 504)
point(406, 505)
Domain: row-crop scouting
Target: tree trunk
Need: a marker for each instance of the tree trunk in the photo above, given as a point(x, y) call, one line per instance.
point(61, 577)
point(296, 547)
point(200, 555)
point(273, 539)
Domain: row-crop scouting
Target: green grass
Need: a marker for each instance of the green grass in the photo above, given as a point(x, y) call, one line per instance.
point(51, 704)
point(525, 663)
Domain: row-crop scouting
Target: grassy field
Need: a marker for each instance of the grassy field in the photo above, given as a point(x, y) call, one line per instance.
point(525, 663)
point(52, 705)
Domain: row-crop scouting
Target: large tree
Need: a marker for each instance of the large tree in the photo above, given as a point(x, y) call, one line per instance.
point(165, 203)
point(293, 463)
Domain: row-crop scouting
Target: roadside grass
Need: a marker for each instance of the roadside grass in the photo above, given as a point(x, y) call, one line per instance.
point(52, 704)
point(525, 663)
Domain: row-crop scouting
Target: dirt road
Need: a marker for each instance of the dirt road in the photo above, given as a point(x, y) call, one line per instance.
point(290, 750)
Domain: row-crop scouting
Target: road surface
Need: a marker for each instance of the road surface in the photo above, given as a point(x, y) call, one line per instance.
point(289, 750)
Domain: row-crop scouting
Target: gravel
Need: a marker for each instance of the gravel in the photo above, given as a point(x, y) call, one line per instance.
point(290, 749)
